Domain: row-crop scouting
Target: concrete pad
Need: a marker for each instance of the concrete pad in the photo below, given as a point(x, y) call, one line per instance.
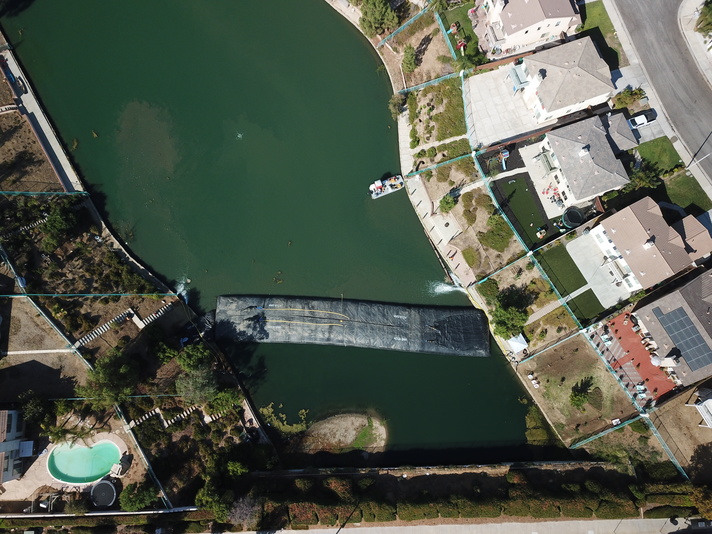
point(499, 115)
point(542, 180)
point(595, 268)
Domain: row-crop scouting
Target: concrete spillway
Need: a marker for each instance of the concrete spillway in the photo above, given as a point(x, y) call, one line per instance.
point(460, 331)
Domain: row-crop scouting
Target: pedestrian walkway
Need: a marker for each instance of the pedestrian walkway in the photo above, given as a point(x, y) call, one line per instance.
point(591, 526)
point(38, 351)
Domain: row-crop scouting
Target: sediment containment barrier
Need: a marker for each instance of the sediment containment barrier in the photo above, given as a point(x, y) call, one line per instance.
point(448, 330)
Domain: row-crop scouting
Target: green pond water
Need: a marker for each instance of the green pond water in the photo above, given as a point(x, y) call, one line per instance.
point(228, 130)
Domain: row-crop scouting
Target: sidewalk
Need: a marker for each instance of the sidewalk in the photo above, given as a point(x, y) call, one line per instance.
point(687, 18)
point(615, 526)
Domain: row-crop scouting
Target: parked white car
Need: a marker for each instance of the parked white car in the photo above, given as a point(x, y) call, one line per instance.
point(642, 119)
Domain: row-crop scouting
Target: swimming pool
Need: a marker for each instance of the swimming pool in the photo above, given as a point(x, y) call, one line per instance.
point(77, 464)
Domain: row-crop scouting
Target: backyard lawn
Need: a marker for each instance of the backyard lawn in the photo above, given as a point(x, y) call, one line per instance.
point(465, 31)
point(517, 199)
point(597, 24)
point(661, 153)
point(586, 306)
point(684, 191)
point(561, 269)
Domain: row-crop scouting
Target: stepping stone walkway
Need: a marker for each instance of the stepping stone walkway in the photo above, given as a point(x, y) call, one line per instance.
point(130, 313)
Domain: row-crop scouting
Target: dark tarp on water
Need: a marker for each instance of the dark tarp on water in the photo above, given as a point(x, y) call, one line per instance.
point(460, 331)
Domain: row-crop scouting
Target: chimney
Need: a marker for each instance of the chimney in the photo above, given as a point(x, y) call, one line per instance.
point(649, 243)
point(583, 152)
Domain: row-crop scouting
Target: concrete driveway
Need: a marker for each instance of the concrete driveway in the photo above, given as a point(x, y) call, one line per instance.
point(682, 90)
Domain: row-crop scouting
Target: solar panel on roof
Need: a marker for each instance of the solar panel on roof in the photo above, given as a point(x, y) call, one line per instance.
point(686, 337)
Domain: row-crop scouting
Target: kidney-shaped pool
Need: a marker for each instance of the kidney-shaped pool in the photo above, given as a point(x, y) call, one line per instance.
point(77, 464)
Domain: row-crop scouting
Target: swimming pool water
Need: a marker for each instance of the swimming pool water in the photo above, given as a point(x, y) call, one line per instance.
point(77, 464)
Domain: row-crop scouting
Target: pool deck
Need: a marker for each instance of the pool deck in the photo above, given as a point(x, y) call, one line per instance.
point(37, 475)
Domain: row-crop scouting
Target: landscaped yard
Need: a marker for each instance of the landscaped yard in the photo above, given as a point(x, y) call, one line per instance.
point(661, 153)
point(686, 192)
point(561, 269)
point(586, 306)
point(598, 25)
point(574, 367)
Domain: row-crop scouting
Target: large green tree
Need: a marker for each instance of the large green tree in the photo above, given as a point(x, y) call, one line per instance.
point(509, 322)
point(377, 17)
point(135, 497)
point(112, 380)
point(409, 60)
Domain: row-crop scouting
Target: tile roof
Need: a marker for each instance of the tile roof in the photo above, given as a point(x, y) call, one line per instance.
point(587, 160)
point(572, 73)
point(653, 249)
point(520, 14)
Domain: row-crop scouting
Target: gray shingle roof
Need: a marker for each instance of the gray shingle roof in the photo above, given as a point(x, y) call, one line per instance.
point(573, 72)
point(620, 135)
point(587, 159)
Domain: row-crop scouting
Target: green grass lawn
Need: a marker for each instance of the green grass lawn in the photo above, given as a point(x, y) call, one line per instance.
point(598, 25)
point(561, 269)
point(586, 306)
point(459, 14)
point(684, 191)
point(660, 152)
point(523, 205)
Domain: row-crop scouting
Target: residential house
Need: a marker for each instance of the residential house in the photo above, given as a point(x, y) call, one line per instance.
point(577, 162)
point(644, 250)
point(504, 27)
point(677, 328)
point(12, 446)
point(562, 80)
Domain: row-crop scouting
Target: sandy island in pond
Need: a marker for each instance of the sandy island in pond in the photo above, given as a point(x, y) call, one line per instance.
point(345, 432)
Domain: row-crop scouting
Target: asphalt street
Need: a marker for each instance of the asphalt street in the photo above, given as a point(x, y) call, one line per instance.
point(683, 91)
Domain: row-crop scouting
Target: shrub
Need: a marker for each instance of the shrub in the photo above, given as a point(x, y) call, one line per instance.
point(136, 497)
point(409, 59)
point(471, 256)
point(616, 510)
point(377, 17)
point(499, 234)
point(447, 203)
point(412, 103)
point(639, 426)
point(628, 96)
point(489, 289)
point(575, 508)
point(448, 509)
point(466, 199)
point(431, 152)
point(194, 357)
point(470, 216)
point(395, 104)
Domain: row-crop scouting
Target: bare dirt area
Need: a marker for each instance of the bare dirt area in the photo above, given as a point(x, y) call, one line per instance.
point(343, 432)
point(555, 325)
point(568, 367)
point(23, 328)
point(23, 165)
point(425, 36)
point(690, 443)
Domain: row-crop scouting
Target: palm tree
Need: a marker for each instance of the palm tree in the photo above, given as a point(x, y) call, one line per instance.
point(437, 5)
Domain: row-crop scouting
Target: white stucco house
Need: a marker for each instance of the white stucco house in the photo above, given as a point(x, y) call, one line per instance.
point(644, 250)
point(562, 80)
point(505, 27)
